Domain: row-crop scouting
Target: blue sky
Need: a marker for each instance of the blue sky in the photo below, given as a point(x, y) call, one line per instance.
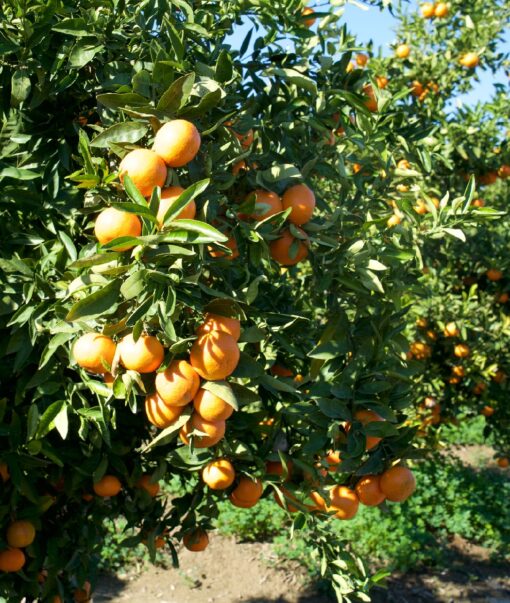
point(379, 26)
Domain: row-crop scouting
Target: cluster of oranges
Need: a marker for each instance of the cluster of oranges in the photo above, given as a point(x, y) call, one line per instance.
point(429, 10)
point(20, 534)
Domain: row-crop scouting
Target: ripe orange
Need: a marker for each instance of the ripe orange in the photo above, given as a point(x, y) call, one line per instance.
point(216, 322)
point(461, 350)
point(214, 430)
point(159, 542)
point(218, 253)
point(427, 10)
point(398, 483)
point(361, 59)
point(145, 169)
point(11, 560)
point(422, 323)
point(82, 595)
point(108, 379)
point(431, 334)
point(503, 298)
point(267, 204)
point(301, 200)
point(420, 350)
point(499, 376)
point(278, 370)
point(403, 164)
point(417, 88)
point(149, 486)
point(479, 388)
point(441, 10)
point(215, 355)
point(469, 60)
point(333, 460)
point(20, 534)
point(145, 355)
point(91, 350)
point(487, 411)
point(503, 462)
point(4, 472)
point(287, 250)
point(169, 196)
point(276, 468)
point(178, 384)
point(108, 485)
point(344, 502)
point(402, 51)
point(159, 413)
point(211, 407)
point(219, 474)
point(488, 178)
point(112, 223)
point(369, 492)
point(371, 101)
point(196, 541)
point(493, 274)
point(308, 11)
point(478, 203)
point(382, 81)
point(458, 371)
point(238, 166)
point(451, 330)
point(364, 417)
point(393, 220)
point(247, 492)
point(504, 172)
point(177, 142)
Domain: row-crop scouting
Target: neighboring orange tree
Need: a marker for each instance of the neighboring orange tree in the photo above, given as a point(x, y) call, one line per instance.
point(205, 265)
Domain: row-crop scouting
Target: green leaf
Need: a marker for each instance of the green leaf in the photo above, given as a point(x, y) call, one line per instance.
point(210, 234)
point(20, 86)
point(133, 193)
point(96, 303)
point(114, 100)
point(224, 68)
point(177, 94)
point(223, 390)
point(169, 432)
point(293, 77)
point(184, 198)
point(72, 27)
point(134, 285)
point(128, 131)
point(83, 52)
point(207, 102)
point(47, 420)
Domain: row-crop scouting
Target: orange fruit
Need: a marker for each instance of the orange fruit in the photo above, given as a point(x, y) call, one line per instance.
point(393, 220)
point(149, 486)
point(278, 370)
point(159, 542)
point(178, 384)
point(247, 491)
point(488, 178)
point(177, 142)
point(441, 10)
point(267, 204)
point(461, 350)
point(145, 169)
point(416, 88)
point(469, 60)
point(238, 166)
point(144, 356)
point(301, 200)
point(504, 172)
point(108, 379)
point(364, 417)
point(431, 335)
point(219, 474)
point(211, 407)
point(403, 164)
point(478, 203)
point(422, 323)
point(108, 485)
point(451, 330)
point(344, 502)
point(159, 413)
point(369, 492)
point(4, 472)
point(20, 534)
point(333, 460)
point(371, 102)
point(82, 595)
point(319, 502)
point(11, 560)
point(216, 322)
point(169, 196)
point(458, 371)
point(246, 138)
point(503, 462)
point(487, 411)
point(493, 274)
point(427, 10)
point(305, 12)
point(87, 497)
point(57, 599)
point(398, 483)
point(197, 540)
point(287, 250)
point(215, 355)
point(479, 388)
point(382, 81)
point(503, 298)
point(112, 224)
point(361, 59)
point(276, 468)
point(231, 243)
point(499, 376)
point(402, 51)
point(420, 350)
point(91, 350)
point(214, 430)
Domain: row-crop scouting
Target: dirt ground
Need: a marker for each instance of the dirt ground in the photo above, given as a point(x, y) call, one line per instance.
point(250, 573)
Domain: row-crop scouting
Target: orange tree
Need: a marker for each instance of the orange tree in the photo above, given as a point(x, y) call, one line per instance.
point(204, 268)
point(460, 316)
